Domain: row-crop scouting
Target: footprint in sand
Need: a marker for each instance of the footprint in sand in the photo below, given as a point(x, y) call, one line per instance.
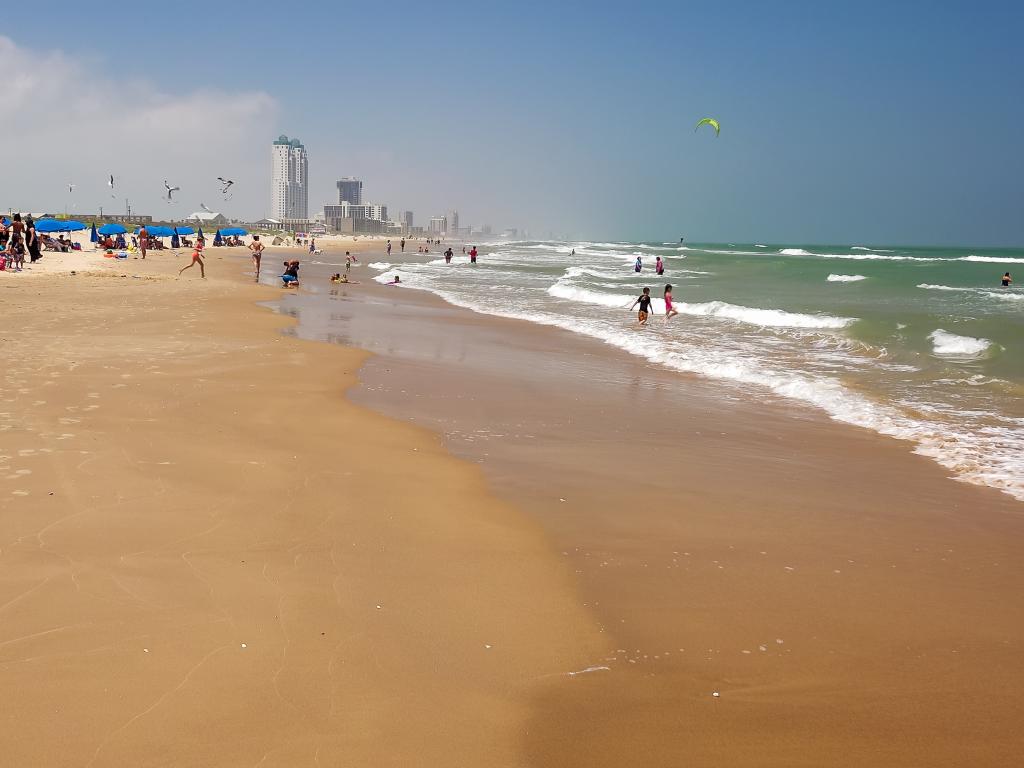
point(65, 436)
point(94, 394)
point(19, 493)
point(68, 420)
point(91, 407)
point(26, 451)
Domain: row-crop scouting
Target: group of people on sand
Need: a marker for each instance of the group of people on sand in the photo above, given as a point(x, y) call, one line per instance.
point(18, 239)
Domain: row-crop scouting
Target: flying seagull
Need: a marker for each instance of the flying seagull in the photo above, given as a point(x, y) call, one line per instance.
point(227, 184)
point(71, 187)
point(170, 191)
point(203, 206)
point(111, 185)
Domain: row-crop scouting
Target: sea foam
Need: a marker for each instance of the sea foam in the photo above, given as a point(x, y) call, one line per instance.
point(991, 259)
point(833, 278)
point(950, 345)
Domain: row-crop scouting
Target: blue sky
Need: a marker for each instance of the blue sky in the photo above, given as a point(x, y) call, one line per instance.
point(841, 122)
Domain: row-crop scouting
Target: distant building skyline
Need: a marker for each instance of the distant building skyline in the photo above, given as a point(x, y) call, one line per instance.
point(289, 179)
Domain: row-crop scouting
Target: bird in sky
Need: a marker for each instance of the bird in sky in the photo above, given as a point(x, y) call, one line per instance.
point(170, 191)
point(226, 184)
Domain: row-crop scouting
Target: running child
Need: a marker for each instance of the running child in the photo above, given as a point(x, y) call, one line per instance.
point(197, 258)
point(644, 300)
point(670, 311)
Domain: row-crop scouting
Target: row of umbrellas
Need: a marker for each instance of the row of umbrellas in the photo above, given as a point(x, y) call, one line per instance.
point(70, 225)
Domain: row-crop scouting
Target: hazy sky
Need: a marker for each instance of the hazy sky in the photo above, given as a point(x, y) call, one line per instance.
point(848, 122)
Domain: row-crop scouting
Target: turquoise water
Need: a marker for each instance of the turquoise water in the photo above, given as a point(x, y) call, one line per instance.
point(922, 344)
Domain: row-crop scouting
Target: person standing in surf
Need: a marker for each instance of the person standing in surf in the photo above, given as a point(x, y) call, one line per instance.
point(638, 266)
point(644, 300)
point(659, 266)
point(472, 255)
point(1007, 280)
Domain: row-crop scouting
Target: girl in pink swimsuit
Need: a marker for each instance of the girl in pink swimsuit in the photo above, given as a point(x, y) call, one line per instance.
point(669, 309)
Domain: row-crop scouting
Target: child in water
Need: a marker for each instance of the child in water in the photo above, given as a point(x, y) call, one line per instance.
point(670, 311)
point(644, 300)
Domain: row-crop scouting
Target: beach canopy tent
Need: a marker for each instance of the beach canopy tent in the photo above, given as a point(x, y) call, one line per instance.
point(112, 229)
point(184, 231)
point(233, 231)
point(56, 225)
point(156, 231)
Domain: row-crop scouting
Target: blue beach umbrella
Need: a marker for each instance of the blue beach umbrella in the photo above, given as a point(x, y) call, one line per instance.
point(184, 230)
point(233, 231)
point(111, 229)
point(73, 226)
point(51, 225)
point(199, 234)
point(217, 239)
point(93, 237)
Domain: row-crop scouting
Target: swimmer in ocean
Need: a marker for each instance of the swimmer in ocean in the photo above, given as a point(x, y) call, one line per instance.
point(644, 300)
point(1007, 280)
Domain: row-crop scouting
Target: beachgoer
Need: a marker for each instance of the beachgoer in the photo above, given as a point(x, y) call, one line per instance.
point(396, 281)
point(670, 311)
point(257, 252)
point(350, 256)
point(290, 278)
point(402, 245)
point(448, 255)
point(659, 266)
point(463, 250)
point(472, 255)
point(572, 252)
point(644, 300)
point(639, 265)
point(32, 240)
point(197, 258)
point(389, 247)
point(143, 240)
point(1007, 280)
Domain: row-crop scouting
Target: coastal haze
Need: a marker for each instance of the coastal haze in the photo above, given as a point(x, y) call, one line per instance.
point(437, 494)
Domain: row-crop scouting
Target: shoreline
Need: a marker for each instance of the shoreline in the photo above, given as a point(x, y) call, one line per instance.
point(885, 582)
point(756, 518)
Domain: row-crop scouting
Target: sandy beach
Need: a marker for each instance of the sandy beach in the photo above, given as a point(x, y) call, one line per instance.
point(515, 547)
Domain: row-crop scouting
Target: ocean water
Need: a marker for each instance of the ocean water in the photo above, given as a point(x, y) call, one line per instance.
point(921, 344)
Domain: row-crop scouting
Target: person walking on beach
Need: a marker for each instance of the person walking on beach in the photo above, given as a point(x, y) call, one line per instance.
point(659, 266)
point(644, 300)
point(144, 240)
point(32, 240)
point(257, 252)
point(639, 265)
point(1007, 280)
point(401, 245)
point(389, 248)
point(670, 311)
point(197, 258)
point(472, 255)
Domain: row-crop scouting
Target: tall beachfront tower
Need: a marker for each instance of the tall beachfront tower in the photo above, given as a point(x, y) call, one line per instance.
point(289, 180)
point(350, 191)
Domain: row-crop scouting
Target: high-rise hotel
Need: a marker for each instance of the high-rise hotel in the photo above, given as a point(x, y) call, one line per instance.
point(289, 180)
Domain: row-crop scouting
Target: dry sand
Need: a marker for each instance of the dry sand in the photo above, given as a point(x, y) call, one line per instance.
point(208, 558)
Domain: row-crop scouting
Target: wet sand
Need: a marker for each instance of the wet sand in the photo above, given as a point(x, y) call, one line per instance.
point(850, 604)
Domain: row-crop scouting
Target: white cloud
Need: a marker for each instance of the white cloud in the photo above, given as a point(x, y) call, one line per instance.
point(62, 120)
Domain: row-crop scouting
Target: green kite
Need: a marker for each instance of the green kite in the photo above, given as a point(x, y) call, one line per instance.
point(709, 121)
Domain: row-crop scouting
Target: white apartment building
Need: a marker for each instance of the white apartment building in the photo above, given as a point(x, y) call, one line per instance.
point(289, 179)
point(438, 225)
